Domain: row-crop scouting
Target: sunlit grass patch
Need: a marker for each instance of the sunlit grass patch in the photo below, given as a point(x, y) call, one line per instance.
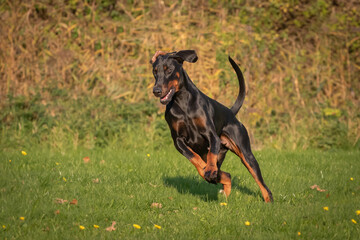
point(137, 197)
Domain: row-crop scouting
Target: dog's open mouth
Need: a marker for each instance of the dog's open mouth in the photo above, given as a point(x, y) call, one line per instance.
point(168, 96)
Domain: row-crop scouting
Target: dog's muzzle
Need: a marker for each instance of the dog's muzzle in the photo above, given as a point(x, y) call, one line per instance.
point(157, 91)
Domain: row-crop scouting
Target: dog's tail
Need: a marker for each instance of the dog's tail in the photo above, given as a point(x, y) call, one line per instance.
point(240, 98)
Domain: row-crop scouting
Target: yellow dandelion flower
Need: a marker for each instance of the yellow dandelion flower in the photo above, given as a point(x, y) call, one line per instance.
point(81, 227)
point(23, 153)
point(64, 179)
point(148, 155)
point(326, 208)
point(299, 233)
point(247, 223)
point(351, 179)
point(353, 220)
point(96, 226)
point(9, 161)
point(136, 226)
point(223, 204)
point(57, 164)
point(22, 218)
point(4, 226)
point(157, 226)
point(357, 212)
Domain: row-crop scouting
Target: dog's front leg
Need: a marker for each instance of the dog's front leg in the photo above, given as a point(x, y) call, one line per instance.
point(192, 156)
point(223, 177)
point(211, 169)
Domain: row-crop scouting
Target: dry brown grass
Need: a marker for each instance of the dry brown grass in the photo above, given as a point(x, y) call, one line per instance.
point(77, 46)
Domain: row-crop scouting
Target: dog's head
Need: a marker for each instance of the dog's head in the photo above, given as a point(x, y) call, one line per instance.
point(167, 72)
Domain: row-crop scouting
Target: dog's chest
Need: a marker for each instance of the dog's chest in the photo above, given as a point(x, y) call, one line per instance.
point(192, 129)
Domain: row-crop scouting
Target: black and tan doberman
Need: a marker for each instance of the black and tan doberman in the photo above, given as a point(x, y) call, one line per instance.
point(203, 129)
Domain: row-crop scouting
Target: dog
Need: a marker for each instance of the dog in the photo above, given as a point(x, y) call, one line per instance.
point(203, 130)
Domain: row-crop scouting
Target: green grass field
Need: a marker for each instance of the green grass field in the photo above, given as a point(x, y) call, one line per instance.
point(147, 188)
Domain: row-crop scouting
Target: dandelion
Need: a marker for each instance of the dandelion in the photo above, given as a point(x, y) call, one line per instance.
point(157, 226)
point(64, 179)
point(9, 161)
point(57, 164)
point(223, 204)
point(22, 218)
point(357, 212)
point(3, 226)
point(96, 226)
point(247, 223)
point(23, 153)
point(136, 226)
point(81, 227)
point(299, 233)
point(351, 179)
point(326, 208)
point(148, 155)
point(353, 220)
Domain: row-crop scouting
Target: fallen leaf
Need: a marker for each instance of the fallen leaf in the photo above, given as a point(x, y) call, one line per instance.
point(317, 188)
point(102, 162)
point(60, 201)
point(156, 205)
point(96, 180)
point(112, 227)
point(195, 208)
point(171, 198)
point(74, 202)
point(57, 212)
point(86, 159)
point(46, 229)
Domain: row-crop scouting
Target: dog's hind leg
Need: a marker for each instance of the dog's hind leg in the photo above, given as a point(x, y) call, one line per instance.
point(241, 147)
point(223, 177)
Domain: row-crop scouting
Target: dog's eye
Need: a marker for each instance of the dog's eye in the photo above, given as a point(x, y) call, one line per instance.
point(169, 70)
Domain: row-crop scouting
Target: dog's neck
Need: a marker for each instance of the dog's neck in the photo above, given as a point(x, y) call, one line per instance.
point(186, 93)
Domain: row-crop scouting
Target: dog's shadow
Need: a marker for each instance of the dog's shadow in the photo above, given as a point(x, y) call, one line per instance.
point(199, 187)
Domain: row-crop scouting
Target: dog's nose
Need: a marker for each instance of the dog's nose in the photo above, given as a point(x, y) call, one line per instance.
point(157, 91)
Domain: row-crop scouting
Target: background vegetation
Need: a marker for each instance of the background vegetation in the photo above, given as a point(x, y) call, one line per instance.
point(76, 73)
point(84, 143)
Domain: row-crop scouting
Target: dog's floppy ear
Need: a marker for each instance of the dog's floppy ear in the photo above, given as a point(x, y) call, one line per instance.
point(153, 59)
point(185, 55)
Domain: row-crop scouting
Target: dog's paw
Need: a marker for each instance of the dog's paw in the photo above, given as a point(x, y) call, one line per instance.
point(211, 176)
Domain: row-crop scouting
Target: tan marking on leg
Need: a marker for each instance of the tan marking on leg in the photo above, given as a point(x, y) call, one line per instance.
point(229, 142)
point(200, 165)
point(225, 180)
point(211, 159)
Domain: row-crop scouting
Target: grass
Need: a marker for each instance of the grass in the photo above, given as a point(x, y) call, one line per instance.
point(121, 185)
